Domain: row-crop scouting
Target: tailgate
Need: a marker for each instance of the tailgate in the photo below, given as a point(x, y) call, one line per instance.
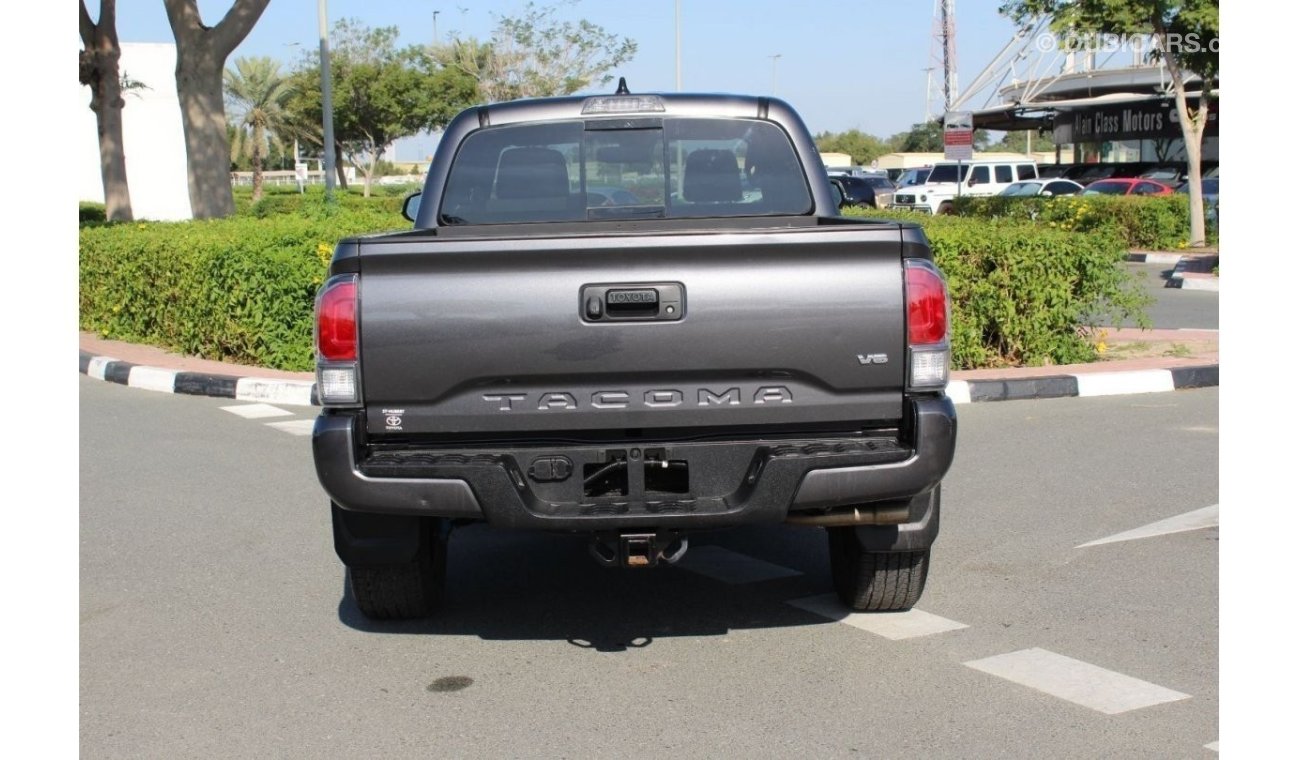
point(774, 328)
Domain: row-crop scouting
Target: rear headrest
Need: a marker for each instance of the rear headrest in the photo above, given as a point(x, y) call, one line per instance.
point(711, 176)
point(532, 173)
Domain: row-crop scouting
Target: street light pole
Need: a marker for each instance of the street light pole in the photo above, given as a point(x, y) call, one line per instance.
point(774, 57)
point(327, 100)
point(435, 28)
point(678, 24)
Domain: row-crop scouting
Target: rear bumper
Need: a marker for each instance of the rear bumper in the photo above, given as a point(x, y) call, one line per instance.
point(732, 483)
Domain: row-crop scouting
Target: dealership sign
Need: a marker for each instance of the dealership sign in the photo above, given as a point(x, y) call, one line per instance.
point(958, 136)
point(1140, 121)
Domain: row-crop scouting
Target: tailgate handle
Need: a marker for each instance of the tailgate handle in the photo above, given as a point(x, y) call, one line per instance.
point(640, 301)
point(645, 302)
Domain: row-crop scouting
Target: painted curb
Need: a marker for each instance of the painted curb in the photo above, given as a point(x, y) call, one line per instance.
point(302, 393)
point(1155, 257)
point(267, 390)
point(1180, 277)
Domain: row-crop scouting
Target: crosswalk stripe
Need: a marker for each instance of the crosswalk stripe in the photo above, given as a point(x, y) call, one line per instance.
point(1197, 519)
point(294, 427)
point(1075, 681)
point(731, 567)
point(256, 411)
point(895, 626)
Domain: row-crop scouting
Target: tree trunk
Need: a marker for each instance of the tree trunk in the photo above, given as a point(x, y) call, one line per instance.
point(99, 70)
point(371, 160)
point(1192, 125)
point(338, 166)
point(259, 134)
point(112, 153)
point(203, 113)
point(201, 53)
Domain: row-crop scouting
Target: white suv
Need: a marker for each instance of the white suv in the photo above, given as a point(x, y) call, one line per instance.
point(976, 177)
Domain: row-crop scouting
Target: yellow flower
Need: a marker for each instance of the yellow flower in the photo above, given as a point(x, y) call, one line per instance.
point(1101, 346)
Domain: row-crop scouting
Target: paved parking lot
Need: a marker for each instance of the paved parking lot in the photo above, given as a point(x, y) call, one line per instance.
point(214, 620)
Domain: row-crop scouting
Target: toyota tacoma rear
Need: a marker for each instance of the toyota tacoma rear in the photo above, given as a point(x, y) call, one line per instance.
point(702, 343)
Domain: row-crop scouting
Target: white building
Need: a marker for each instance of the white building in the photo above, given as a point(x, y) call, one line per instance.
point(152, 136)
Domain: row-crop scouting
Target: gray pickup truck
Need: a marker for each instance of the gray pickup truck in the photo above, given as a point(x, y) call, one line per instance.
point(632, 317)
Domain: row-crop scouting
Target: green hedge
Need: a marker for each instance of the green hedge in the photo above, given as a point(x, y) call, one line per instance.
point(1027, 295)
point(239, 290)
point(243, 289)
point(90, 212)
point(283, 202)
point(1150, 223)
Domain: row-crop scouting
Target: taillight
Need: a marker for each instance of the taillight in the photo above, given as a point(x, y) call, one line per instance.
point(336, 320)
point(927, 326)
point(336, 341)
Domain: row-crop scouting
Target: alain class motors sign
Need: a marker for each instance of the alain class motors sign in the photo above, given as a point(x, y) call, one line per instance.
point(1154, 120)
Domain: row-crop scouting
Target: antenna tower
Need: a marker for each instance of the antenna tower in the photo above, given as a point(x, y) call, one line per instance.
point(943, 57)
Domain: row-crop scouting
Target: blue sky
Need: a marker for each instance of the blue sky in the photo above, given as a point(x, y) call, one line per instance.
point(842, 65)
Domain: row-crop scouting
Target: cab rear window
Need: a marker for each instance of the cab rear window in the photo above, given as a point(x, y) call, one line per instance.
point(624, 169)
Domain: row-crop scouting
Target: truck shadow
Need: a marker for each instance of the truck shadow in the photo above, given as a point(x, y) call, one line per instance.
point(505, 585)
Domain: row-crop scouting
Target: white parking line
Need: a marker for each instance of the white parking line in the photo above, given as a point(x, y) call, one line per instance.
point(1079, 682)
point(1194, 520)
point(256, 411)
point(294, 427)
point(892, 625)
point(731, 567)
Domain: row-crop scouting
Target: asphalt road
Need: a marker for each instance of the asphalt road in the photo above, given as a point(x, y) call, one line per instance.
point(1174, 307)
point(214, 621)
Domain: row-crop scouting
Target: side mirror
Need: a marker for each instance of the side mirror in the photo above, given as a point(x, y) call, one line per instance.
point(411, 206)
point(1046, 193)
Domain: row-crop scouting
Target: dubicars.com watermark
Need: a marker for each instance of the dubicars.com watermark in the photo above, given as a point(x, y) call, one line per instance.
point(1071, 42)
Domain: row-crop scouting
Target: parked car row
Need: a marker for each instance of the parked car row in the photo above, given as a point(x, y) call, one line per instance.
point(1046, 187)
point(933, 188)
point(1169, 173)
point(949, 179)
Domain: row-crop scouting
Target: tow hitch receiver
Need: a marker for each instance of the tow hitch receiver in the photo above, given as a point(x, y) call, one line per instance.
point(637, 549)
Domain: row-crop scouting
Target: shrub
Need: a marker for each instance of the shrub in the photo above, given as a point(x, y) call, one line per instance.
point(239, 289)
point(1025, 295)
point(90, 212)
point(1143, 222)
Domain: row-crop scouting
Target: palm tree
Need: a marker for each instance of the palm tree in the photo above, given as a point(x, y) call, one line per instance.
point(257, 93)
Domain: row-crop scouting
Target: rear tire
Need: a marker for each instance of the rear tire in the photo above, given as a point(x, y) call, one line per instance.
point(875, 581)
point(407, 590)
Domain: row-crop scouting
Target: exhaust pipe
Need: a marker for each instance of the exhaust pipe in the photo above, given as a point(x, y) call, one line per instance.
point(879, 515)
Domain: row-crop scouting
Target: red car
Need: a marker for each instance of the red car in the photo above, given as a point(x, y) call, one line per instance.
point(1129, 186)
